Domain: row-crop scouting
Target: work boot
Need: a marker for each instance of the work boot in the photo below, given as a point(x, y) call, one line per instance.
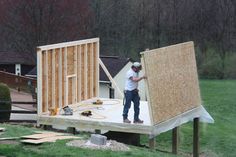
point(138, 121)
point(126, 120)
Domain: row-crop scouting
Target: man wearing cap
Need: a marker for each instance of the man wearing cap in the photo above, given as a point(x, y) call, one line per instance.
point(131, 93)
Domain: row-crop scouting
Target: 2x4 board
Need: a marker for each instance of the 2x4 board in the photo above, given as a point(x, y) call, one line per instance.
point(172, 83)
point(67, 73)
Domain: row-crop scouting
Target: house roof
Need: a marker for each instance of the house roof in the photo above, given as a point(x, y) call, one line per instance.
point(12, 57)
point(33, 72)
point(113, 64)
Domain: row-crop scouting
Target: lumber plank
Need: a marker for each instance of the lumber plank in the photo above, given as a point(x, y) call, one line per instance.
point(42, 135)
point(48, 139)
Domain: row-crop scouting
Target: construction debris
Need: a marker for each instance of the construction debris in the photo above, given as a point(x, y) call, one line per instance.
point(48, 139)
point(45, 137)
point(42, 135)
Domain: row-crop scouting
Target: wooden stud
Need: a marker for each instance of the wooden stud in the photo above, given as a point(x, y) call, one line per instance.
point(175, 140)
point(76, 74)
point(53, 79)
point(39, 82)
point(196, 137)
point(85, 72)
point(79, 74)
point(60, 78)
point(47, 94)
point(82, 72)
point(91, 71)
point(65, 78)
point(97, 70)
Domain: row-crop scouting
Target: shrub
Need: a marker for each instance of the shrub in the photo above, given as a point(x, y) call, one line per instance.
point(5, 99)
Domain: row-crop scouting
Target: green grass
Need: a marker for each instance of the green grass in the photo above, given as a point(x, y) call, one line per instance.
point(216, 140)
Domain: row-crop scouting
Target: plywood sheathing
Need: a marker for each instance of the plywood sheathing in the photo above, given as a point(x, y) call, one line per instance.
point(42, 135)
point(172, 82)
point(68, 73)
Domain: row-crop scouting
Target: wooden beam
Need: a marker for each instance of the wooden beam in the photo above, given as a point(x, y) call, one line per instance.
point(196, 137)
point(110, 78)
point(175, 140)
point(68, 44)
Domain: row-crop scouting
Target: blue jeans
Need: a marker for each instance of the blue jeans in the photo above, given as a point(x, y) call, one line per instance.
point(131, 96)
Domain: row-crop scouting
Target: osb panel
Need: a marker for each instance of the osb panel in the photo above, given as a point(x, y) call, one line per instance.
point(172, 80)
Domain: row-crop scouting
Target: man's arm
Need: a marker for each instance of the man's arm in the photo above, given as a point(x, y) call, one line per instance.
point(137, 79)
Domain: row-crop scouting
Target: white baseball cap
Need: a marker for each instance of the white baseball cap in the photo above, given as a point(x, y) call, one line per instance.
point(136, 64)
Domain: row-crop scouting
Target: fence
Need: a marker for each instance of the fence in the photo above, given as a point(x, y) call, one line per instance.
point(21, 83)
point(19, 111)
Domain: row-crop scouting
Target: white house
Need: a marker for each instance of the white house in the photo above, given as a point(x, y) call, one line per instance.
point(117, 67)
point(15, 62)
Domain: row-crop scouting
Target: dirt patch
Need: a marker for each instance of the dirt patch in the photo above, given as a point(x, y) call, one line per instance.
point(9, 142)
point(111, 145)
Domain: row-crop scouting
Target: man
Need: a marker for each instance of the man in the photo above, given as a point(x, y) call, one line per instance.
point(131, 93)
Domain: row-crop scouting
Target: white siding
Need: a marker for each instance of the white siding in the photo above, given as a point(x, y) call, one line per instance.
point(103, 90)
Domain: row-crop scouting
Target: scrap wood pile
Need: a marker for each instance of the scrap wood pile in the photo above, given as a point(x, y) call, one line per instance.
point(39, 137)
point(42, 137)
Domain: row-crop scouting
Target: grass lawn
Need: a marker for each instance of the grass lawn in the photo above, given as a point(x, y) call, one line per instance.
point(216, 140)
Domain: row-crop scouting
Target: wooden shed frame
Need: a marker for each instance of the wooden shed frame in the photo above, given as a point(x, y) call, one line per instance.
point(68, 73)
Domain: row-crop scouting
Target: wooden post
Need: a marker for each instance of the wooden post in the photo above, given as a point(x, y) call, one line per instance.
point(175, 140)
point(152, 141)
point(196, 137)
